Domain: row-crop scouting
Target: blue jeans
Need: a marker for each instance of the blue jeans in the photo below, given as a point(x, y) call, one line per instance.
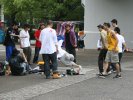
point(9, 50)
point(50, 58)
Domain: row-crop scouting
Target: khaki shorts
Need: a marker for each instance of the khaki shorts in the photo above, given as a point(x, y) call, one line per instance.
point(112, 57)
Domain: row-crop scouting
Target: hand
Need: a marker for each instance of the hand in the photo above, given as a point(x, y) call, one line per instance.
point(114, 50)
point(75, 46)
point(98, 49)
point(57, 51)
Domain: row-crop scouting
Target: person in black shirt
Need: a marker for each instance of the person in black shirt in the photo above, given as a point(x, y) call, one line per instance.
point(70, 41)
point(9, 40)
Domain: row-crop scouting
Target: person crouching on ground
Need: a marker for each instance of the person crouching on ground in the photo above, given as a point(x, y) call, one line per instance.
point(18, 64)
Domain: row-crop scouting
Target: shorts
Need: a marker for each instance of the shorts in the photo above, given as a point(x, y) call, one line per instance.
point(112, 57)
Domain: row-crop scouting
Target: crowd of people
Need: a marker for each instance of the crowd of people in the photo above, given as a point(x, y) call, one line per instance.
point(113, 46)
point(46, 44)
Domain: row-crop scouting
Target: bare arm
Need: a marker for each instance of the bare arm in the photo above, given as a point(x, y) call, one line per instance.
point(116, 43)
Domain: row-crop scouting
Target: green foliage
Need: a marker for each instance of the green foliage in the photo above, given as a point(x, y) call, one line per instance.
point(33, 11)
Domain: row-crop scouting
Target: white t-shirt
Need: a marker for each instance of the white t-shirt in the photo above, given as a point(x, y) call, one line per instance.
point(121, 40)
point(48, 40)
point(61, 52)
point(24, 38)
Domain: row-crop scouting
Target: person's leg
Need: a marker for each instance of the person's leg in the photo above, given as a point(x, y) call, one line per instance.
point(106, 63)
point(29, 52)
point(46, 65)
point(53, 59)
point(9, 50)
point(25, 52)
point(115, 60)
point(117, 68)
point(36, 55)
point(120, 57)
point(100, 61)
point(73, 52)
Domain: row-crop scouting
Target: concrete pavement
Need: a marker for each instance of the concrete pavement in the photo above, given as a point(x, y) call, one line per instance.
point(80, 87)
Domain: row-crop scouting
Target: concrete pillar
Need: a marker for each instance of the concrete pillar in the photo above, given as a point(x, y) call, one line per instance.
point(2, 13)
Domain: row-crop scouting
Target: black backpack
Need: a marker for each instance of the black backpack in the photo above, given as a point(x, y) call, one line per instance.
point(14, 64)
point(2, 69)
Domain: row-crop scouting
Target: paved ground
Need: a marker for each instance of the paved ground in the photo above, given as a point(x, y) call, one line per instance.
point(80, 87)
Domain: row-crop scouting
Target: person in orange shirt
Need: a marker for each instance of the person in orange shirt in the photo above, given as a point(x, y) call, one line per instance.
point(112, 53)
point(38, 43)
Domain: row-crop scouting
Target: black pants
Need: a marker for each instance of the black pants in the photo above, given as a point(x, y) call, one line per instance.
point(36, 55)
point(50, 58)
point(73, 52)
point(101, 59)
point(27, 51)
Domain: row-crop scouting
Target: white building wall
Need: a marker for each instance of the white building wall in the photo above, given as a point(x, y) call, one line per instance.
point(100, 11)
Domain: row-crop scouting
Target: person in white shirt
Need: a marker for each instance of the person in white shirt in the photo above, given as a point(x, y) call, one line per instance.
point(68, 59)
point(49, 49)
point(121, 43)
point(25, 42)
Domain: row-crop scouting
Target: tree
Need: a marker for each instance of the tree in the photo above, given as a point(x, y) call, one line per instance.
point(33, 11)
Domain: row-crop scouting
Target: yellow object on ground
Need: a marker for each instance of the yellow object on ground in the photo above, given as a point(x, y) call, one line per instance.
point(41, 63)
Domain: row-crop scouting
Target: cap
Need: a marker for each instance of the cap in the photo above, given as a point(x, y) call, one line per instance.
point(100, 26)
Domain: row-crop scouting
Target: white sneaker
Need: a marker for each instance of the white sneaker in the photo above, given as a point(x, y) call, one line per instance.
point(110, 72)
point(104, 73)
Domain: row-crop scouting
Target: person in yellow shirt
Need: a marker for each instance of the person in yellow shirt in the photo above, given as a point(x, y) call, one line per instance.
point(112, 53)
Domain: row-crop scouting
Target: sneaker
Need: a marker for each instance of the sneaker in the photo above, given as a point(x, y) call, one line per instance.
point(104, 74)
point(101, 75)
point(56, 76)
point(110, 72)
point(48, 77)
point(117, 76)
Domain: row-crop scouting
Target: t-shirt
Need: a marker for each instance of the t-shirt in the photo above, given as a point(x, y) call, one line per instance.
point(68, 43)
point(8, 38)
point(103, 35)
point(37, 35)
point(121, 40)
point(24, 38)
point(48, 40)
point(111, 41)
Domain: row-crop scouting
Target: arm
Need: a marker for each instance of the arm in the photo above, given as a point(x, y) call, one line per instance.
point(22, 35)
point(124, 44)
point(74, 39)
point(55, 41)
point(35, 35)
point(116, 43)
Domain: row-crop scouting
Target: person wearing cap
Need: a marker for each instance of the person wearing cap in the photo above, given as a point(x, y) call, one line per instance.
point(103, 50)
point(38, 43)
point(25, 42)
point(70, 41)
point(9, 40)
